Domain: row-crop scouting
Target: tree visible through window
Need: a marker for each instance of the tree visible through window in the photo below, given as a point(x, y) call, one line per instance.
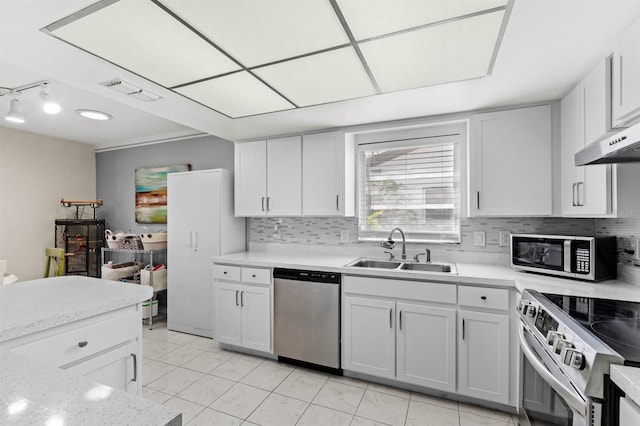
point(411, 184)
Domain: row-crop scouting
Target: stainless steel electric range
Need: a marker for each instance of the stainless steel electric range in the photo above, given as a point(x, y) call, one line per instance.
point(568, 344)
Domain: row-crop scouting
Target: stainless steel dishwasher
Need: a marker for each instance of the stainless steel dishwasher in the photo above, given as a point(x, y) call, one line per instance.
point(307, 317)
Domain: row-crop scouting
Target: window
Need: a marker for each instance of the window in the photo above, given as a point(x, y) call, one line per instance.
point(413, 184)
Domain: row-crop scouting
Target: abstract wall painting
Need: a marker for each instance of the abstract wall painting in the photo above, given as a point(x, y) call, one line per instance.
point(151, 192)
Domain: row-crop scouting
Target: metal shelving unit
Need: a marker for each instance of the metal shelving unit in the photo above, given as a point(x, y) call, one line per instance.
point(138, 256)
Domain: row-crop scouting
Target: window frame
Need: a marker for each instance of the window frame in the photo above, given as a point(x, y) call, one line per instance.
point(399, 137)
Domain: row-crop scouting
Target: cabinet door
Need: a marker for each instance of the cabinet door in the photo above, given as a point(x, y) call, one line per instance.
point(256, 318)
point(483, 355)
point(227, 313)
point(585, 190)
point(626, 78)
point(510, 163)
point(284, 177)
point(119, 368)
point(369, 336)
point(323, 174)
point(426, 346)
point(250, 178)
point(572, 137)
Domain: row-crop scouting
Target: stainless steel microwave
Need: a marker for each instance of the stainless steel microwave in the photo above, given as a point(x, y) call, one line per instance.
point(582, 258)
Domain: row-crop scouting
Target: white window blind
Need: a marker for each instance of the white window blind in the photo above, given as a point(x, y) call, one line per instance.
point(412, 184)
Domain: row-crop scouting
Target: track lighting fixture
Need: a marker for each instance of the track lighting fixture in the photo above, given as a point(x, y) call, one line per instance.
point(15, 115)
point(48, 104)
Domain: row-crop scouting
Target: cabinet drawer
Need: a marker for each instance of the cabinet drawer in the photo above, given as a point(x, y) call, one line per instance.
point(73, 345)
point(482, 297)
point(256, 275)
point(226, 272)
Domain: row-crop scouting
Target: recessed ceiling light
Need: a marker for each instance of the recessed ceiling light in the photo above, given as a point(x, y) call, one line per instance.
point(94, 115)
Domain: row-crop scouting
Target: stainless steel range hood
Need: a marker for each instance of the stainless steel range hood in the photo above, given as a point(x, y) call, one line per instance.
point(622, 147)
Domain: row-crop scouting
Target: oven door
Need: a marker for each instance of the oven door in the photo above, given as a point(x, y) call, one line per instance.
point(546, 395)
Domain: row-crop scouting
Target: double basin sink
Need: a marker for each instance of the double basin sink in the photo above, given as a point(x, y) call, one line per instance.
point(446, 268)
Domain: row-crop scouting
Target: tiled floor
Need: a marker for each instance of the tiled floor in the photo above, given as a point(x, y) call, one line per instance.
point(212, 386)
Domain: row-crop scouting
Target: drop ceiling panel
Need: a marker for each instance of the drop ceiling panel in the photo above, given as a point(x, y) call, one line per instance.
point(454, 51)
point(260, 32)
point(371, 18)
point(326, 77)
point(143, 38)
point(236, 95)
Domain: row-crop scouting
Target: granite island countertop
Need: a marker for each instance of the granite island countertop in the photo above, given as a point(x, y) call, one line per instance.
point(32, 393)
point(468, 273)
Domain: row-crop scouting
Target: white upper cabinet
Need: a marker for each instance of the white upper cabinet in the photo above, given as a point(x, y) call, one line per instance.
point(586, 190)
point(510, 163)
point(268, 177)
point(327, 175)
point(626, 78)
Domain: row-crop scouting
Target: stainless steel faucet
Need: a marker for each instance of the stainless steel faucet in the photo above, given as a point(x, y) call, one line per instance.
point(389, 243)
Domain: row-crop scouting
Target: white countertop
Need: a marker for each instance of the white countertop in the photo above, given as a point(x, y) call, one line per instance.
point(31, 393)
point(30, 306)
point(628, 379)
point(468, 273)
point(37, 395)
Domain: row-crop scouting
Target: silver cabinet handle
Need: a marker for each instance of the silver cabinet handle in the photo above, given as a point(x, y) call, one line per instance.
point(268, 202)
point(478, 199)
point(135, 368)
point(400, 321)
point(390, 318)
point(83, 343)
point(236, 297)
point(573, 193)
point(242, 298)
point(483, 297)
point(578, 193)
point(263, 203)
point(338, 202)
point(462, 328)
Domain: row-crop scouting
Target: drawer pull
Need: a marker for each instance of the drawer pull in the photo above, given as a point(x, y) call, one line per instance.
point(224, 273)
point(483, 297)
point(83, 343)
point(253, 276)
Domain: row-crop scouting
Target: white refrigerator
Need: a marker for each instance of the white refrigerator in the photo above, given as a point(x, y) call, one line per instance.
point(200, 226)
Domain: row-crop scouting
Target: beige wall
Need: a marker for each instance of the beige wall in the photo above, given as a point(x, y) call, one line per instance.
point(36, 172)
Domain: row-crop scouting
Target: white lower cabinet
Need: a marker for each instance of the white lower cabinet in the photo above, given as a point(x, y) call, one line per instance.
point(629, 412)
point(483, 355)
point(412, 343)
point(243, 312)
point(105, 348)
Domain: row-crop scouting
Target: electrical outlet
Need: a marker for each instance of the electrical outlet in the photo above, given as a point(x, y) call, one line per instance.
point(505, 238)
point(478, 239)
point(344, 236)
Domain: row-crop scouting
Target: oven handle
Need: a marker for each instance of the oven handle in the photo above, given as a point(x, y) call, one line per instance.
point(573, 399)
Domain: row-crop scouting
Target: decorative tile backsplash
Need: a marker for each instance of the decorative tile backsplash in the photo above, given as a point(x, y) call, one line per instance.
point(326, 230)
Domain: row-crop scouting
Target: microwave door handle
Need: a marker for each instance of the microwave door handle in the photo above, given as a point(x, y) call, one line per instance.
point(573, 399)
point(568, 258)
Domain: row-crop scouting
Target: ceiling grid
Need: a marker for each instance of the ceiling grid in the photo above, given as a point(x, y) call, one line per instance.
point(243, 58)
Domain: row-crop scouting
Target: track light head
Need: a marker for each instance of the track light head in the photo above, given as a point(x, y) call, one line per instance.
point(14, 115)
point(48, 104)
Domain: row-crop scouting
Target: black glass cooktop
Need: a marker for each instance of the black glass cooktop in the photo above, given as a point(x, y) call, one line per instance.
point(615, 322)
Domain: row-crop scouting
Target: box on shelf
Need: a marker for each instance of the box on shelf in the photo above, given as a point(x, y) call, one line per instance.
point(145, 309)
point(159, 278)
point(116, 274)
point(156, 241)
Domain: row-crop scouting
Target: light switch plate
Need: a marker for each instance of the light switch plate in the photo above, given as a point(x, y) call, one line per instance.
point(478, 239)
point(505, 238)
point(344, 236)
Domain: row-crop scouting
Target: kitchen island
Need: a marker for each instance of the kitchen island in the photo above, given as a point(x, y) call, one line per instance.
point(59, 338)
